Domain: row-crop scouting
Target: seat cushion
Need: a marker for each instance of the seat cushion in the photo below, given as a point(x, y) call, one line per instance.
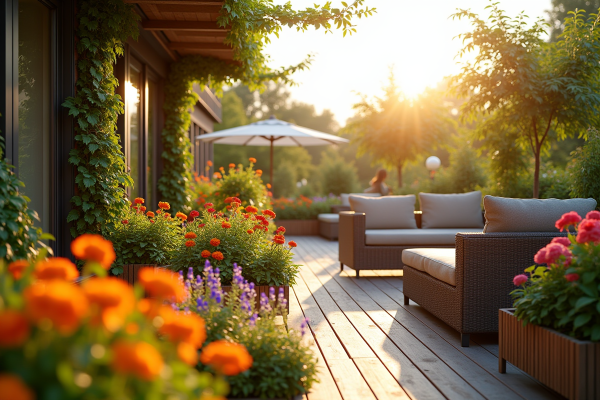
point(413, 237)
point(530, 215)
point(331, 218)
point(439, 263)
point(346, 201)
point(461, 210)
point(387, 212)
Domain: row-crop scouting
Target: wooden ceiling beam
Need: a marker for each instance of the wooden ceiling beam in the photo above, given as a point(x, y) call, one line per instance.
point(202, 26)
point(185, 8)
point(179, 2)
point(199, 46)
point(222, 34)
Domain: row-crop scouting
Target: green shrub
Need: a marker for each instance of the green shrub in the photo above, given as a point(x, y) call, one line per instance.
point(283, 364)
point(144, 237)
point(245, 184)
point(284, 180)
point(303, 207)
point(337, 175)
point(19, 239)
point(585, 177)
point(555, 183)
point(464, 174)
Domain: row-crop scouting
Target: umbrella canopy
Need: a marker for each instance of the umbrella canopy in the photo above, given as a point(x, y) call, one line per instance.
point(271, 132)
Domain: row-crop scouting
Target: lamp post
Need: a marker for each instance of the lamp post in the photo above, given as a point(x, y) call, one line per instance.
point(432, 163)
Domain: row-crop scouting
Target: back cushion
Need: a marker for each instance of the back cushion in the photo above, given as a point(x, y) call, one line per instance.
point(387, 212)
point(530, 215)
point(345, 196)
point(461, 210)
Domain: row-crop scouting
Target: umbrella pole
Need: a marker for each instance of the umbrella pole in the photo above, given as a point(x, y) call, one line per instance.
point(271, 167)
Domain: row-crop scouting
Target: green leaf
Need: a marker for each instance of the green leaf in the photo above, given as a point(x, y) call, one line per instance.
point(581, 320)
point(584, 301)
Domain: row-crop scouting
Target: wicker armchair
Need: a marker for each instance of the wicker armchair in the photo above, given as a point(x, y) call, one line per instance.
point(485, 266)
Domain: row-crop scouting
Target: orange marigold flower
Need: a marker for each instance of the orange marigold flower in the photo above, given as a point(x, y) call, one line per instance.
point(112, 300)
point(14, 329)
point(269, 194)
point(217, 255)
point(265, 223)
point(187, 353)
point(228, 207)
point(132, 328)
point(164, 205)
point(151, 221)
point(137, 358)
point(268, 186)
point(162, 284)
point(236, 200)
point(125, 221)
point(227, 200)
point(226, 357)
point(209, 163)
point(281, 230)
point(191, 235)
point(190, 243)
point(93, 248)
point(142, 208)
point(138, 200)
point(251, 209)
point(205, 253)
point(269, 213)
point(291, 243)
point(232, 165)
point(16, 268)
point(250, 231)
point(215, 242)
point(150, 308)
point(252, 160)
point(180, 327)
point(60, 302)
point(278, 239)
point(56, 268)
point(150, 214)
point(12, 387)
point(226, 225)
point(217, 175)
point(181, 216)
point(221, 169)
point(258, 172)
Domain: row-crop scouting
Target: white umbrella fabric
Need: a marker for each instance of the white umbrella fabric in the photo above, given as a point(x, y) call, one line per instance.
point(271, 132)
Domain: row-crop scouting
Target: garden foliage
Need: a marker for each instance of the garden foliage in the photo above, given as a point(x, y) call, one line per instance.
point(303, 207)
point(585, 171)
point(564, 295)
point(101, 178)
point(283, 365)
point(243, 183)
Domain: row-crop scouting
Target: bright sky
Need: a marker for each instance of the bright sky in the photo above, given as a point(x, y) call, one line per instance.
point(416, 37)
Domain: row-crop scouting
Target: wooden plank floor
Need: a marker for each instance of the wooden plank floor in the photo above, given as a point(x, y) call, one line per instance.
point(371, 346)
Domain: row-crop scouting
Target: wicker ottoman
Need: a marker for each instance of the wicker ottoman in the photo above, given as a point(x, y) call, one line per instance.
point(328, 225)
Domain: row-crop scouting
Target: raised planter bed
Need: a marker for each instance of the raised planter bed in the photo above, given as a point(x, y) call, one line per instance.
point(570, 367)
point(265, 289)
point(299, 227)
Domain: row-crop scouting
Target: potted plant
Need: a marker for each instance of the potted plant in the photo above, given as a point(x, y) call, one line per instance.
point(300, 215)
point(144, 238)
point(238, 235)
point(553, 333)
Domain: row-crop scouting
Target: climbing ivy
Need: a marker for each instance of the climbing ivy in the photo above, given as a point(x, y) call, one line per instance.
point(101, 178)
point(250, 23)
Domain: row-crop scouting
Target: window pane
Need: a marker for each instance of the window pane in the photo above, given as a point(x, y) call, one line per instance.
point(133, 110)
point(34, 106)
point(152, 135)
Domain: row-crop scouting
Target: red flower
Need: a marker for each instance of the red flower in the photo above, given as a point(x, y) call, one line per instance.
point(191, 235)
point(208, 205)
point(257, 227)
point(164, 205)
point(551, 254)
point(562, 240)
point(138, 200)
point(520, 279)
point(201, 225)
point(151, 221)
point(250, 231)
point(589, 231)
point(593, 215)
point(150, 214)
point(292, 243)
point(568, 219)
point(278, 239)
point(226, 225)
point(211, 210)
point(125, 222)
point(217, 255)
point(265, 223)
point(190, 243)
point(246, 216)
point(251, 209)
point(205, 254)
point(228, 207)
point(215, 242)
point(227, 200)
point(236, 200)
point(572, 277)
point(269, 213)
point(194, 214)
point(281, 229)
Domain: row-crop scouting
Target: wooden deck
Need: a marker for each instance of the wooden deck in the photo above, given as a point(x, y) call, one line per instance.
point(371, 346)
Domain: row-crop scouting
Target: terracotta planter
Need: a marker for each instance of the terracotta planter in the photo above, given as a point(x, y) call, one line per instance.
point(130, 272)
point(570, 367)
point(265, 289)
point(299, 227)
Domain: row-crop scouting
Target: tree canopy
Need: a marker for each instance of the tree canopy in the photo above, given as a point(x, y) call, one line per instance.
point(560, 11)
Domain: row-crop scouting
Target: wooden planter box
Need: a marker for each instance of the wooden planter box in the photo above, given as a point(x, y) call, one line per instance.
point(299, 227)
point(265, 289)
point(570, 367)
point(130, 272)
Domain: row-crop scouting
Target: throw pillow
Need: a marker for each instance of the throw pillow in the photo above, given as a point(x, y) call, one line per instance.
point(461, 210)
point(387, 212)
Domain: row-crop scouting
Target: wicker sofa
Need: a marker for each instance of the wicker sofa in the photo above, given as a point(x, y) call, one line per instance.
point(466, 287)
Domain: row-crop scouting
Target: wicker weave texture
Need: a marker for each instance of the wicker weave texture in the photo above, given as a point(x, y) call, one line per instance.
point(329, 230)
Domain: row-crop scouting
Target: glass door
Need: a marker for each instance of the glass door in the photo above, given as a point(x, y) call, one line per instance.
point(133, 94)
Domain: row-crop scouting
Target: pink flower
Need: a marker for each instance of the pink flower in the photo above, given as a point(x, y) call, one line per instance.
point(593, 215)
point(570, 218)
point(520, 279)
point(562, 240)
point(572, 277)
point(540, 256)
point(589, 231)
point(551, 254)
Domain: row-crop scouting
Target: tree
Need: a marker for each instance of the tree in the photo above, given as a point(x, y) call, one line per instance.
point(519, 82)
point(395, 129)
point(585, 181)
point(560, 11)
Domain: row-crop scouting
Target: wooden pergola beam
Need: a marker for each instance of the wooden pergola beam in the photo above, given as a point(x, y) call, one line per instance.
point(187, 8)
point(202, 26)
point(179, 2)
point(198, 46)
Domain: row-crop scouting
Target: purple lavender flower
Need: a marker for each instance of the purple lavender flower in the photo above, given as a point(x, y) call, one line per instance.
point(199, 280)
point(253, 319)
point(174, 306)
point(304, 326)
point(190, 274)
point(181, 275)
point(272, 293)
point(201, 304)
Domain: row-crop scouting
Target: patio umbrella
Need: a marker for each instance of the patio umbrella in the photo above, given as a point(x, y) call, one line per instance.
point(271, 132)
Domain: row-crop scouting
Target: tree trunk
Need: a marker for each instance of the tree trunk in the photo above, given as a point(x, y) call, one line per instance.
point(399, 169)
point(536, 173)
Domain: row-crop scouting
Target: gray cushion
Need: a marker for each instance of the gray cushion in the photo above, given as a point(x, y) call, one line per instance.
point(331, 218)
point(346, 201)
point(413, 237)
point(439, 263)
point(387, 212)
point(530, 215)
point(462, 210)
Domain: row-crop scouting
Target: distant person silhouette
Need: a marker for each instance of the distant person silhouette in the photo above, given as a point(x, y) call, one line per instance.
point(378, 185)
